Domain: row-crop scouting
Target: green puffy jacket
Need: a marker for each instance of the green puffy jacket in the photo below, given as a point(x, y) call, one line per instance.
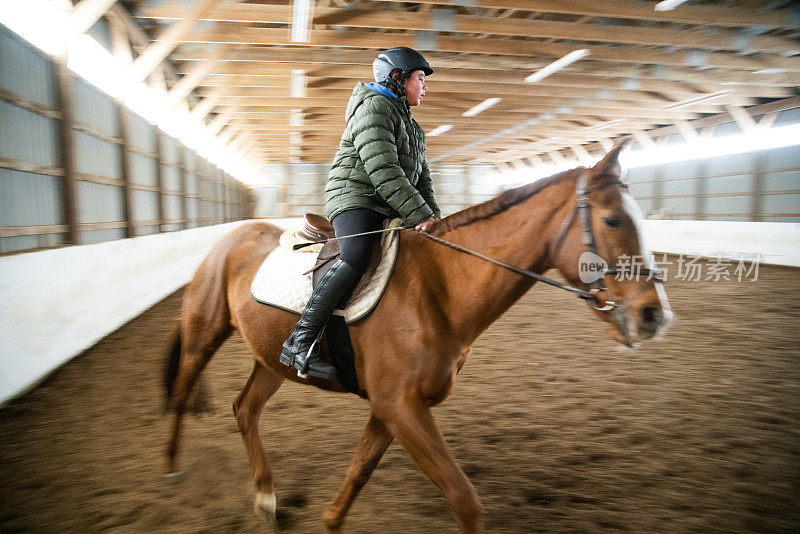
point(380, 164)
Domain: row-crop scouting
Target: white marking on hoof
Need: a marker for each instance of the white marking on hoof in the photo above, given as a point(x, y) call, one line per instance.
point(265, 506)
point(173, 478)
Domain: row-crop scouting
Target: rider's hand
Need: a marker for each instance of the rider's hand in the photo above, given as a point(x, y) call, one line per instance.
point(427, 224)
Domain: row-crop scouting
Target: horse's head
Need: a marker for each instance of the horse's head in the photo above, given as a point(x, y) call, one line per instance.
point(601, 248)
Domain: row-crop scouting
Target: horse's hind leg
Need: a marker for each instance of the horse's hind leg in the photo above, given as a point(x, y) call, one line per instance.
point(247, 407)
point(200, 341)
point(374, 442)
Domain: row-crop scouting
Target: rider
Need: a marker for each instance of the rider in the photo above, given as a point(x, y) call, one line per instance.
point(379, 172)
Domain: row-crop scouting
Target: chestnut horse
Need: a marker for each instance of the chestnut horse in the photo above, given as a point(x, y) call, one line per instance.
point(409, 350)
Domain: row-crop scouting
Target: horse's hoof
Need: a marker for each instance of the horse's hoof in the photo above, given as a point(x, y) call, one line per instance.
point(265, 506)
point(173, 478)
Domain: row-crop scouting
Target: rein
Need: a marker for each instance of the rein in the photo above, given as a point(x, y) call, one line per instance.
point(320, 241)
point(588, 295)
point(581, 209)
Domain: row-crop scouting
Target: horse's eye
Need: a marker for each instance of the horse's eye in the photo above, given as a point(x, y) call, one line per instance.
point(612, 222)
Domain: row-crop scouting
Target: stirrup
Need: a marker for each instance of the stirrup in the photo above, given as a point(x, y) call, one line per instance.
point(300, 372)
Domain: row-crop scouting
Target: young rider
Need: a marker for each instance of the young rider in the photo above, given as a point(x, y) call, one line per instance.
point(379, 172)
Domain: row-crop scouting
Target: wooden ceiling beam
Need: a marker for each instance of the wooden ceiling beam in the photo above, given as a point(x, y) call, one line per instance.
point(589, 67)
point(191, 79)
point(500, 46)
point(87, 12)
point(169, 39)
point(688, 14)
point(722, 39)
point(205, 106)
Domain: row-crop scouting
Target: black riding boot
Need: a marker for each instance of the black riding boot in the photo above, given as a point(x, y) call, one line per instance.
point(336, 285)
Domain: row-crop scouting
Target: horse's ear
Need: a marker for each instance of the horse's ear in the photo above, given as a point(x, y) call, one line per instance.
point(609, 166)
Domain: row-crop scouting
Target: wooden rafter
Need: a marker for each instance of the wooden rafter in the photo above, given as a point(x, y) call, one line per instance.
point(168, 40)
point(646, 71)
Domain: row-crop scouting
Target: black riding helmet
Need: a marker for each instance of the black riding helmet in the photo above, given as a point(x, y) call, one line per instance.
point(406, 59)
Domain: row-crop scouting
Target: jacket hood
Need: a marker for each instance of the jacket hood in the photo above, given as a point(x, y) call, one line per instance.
point(360, 94)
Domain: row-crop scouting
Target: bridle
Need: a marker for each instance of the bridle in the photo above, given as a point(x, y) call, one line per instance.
point(583, 212)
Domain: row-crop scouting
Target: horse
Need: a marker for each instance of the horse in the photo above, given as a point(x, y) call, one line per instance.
point(410, 348)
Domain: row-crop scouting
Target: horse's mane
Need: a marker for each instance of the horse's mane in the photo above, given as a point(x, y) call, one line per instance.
point(498, 204)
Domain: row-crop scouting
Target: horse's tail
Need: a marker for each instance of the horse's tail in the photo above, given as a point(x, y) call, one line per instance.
point(172, 364)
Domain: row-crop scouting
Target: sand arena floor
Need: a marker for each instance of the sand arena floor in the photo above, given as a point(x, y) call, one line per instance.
point(558, 430)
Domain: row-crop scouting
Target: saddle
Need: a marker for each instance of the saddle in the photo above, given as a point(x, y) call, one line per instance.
point(318, 228)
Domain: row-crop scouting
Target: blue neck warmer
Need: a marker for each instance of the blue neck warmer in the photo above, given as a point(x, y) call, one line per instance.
point(375, 86)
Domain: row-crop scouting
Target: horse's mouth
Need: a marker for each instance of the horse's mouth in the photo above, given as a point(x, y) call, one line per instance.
point(632, 328)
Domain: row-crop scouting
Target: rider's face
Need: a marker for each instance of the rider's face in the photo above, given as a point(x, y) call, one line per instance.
point(415, 88)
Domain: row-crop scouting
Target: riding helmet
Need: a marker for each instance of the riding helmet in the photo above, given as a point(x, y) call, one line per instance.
point(406, 59)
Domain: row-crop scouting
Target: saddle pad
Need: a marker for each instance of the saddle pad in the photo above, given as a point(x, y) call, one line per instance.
point(280, 280)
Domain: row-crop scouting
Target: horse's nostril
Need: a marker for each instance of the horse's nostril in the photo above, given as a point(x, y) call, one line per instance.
point(651, 316)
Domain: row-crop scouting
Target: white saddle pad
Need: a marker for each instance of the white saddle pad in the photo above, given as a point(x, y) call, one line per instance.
point(280, 280)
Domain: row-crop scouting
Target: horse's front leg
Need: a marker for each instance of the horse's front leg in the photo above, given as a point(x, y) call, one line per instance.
point(374, 442)
point(411, 422)
point(247, 407)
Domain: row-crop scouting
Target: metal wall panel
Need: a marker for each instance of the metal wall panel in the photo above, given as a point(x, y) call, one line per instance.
point(191, 213)
point(728, 207)
point(28, 199)
point(170, 152)
point(145, 205)
point(142, 169)
point(94, 108)
point(95, 156)
point(736, 183)
point(28, 242)
point(787, 206)
point(101, 32)
point(99, 203)
point(189, 159)
point(786, 181)
point(173, 207)
point(25, 71)
point(782, 159)
point(191, 184)
point(171, 177)
point(28, 137)
point(140, 133)
point(88, 237)
point(790, 116)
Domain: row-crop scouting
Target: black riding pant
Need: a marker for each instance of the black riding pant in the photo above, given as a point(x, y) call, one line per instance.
point(356, 251)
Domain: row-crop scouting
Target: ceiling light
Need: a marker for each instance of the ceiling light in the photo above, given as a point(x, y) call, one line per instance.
point(666, 5)
point(702, 99)
point(297, 85)
point(704, 148)
point(296, 118)
point(301, 16)
point(769, 71)
point(440, 130)
point(483, 106)
point(557, 65)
